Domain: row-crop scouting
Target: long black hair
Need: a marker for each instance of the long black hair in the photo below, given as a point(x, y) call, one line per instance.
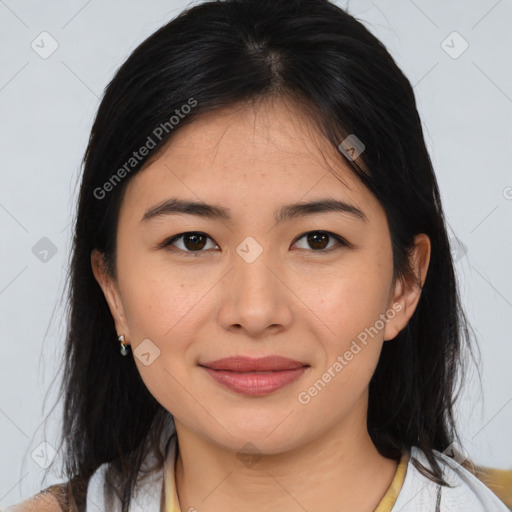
point(218, 54)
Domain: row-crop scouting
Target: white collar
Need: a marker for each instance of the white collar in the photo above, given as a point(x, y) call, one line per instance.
point(467, 494)
point(148, 496)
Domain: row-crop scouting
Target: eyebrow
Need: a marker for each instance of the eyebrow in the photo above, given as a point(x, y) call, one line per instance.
point(175, 206)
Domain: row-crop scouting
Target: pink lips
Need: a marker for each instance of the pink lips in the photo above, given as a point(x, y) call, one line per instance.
point(255, 377)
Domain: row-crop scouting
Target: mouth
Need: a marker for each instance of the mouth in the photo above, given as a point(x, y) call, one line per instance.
point(243, 364)
point(255, 377)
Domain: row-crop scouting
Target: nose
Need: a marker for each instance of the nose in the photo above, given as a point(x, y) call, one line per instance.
point(256, 297)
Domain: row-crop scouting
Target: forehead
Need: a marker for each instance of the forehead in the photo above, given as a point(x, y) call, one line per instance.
point(271, 135)
point(269, 153)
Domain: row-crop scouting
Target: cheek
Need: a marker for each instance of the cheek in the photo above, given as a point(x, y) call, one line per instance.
point(157, 297)
point(353, 299)
point(161, 309)
point(351, 344)
point(350, 302)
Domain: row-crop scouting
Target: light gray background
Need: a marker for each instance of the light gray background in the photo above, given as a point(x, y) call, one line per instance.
point(47, 106)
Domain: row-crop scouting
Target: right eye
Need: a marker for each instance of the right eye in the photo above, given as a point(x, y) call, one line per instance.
point(191, 242)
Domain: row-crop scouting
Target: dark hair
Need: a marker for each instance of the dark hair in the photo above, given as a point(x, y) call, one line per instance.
point(234, 52)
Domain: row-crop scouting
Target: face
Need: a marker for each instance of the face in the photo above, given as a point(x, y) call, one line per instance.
point(253, 279)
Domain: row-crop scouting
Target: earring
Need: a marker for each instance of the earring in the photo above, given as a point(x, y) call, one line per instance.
point(124, 349)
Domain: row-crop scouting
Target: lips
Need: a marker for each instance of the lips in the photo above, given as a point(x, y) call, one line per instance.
point(242, 364)
point(255, 376)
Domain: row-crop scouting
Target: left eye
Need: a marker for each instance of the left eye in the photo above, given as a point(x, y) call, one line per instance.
point(194, 241)
point(319, 239)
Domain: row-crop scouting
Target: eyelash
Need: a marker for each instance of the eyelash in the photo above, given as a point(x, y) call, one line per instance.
point(168, 242)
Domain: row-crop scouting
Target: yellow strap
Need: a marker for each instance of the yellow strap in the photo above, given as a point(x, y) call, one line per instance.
point(389, 499)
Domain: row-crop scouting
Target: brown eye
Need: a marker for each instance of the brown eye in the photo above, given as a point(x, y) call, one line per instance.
point(194, 242)
point(319, 240)
point(191, 242)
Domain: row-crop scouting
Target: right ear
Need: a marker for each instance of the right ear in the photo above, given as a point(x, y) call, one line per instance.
point(111, 291)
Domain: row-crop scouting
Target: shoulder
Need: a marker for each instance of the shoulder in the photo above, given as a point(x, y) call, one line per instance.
point(466, 491)
point(44, 501)
point(67, 496)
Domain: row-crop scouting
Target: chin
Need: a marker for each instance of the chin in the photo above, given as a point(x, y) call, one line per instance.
point(248, 441)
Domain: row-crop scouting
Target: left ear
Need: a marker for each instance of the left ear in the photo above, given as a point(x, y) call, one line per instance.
point(407, 294)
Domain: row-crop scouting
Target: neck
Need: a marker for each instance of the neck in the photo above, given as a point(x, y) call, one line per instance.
point(340, 470)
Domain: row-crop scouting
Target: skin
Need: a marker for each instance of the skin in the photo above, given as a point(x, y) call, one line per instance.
point(295, 300)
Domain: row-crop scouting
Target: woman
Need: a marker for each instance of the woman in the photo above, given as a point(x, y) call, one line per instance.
point(264, 312)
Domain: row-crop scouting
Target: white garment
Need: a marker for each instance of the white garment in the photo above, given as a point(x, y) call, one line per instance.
point(418, 493)
point(148, 497)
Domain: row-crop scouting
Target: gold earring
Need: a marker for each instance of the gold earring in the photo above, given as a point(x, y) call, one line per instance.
point(124, 349)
